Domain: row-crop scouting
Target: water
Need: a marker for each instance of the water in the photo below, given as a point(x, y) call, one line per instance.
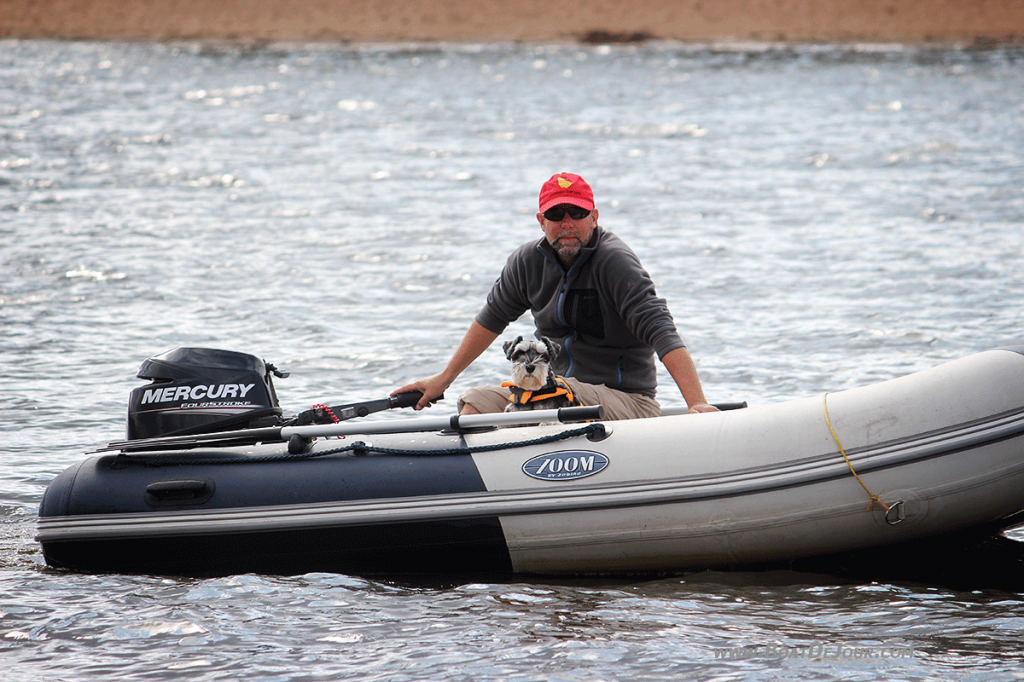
point(819, 218)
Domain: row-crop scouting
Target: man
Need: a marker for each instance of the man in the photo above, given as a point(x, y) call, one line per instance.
point(588, 292)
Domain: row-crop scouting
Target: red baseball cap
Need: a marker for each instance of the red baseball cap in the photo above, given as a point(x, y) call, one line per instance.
point(566, 188)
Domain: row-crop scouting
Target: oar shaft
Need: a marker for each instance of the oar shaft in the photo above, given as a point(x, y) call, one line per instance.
point(454, 422)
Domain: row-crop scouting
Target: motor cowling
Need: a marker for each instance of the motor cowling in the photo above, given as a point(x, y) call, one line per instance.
point(202, 390)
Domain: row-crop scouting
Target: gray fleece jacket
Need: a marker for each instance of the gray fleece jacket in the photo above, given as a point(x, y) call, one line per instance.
point(603, 310)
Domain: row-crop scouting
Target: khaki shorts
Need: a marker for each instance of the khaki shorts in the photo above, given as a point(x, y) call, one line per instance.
point(617, 404)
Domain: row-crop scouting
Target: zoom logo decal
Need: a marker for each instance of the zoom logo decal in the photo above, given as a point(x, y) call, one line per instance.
point(565, 466)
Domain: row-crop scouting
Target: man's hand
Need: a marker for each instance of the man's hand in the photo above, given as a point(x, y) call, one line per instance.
point(431, 388)
point(475, 342)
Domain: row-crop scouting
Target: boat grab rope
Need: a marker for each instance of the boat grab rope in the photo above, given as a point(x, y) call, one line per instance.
point(874, 498)
point(357, 448)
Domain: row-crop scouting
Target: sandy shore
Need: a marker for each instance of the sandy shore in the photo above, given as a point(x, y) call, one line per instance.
point(596, 20)
point(909, 21)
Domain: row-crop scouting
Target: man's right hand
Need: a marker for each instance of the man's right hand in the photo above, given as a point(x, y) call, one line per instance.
point(431, 388)
point(475, 342)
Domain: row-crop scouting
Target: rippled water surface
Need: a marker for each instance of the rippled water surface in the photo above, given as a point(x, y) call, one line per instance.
point(819, 218)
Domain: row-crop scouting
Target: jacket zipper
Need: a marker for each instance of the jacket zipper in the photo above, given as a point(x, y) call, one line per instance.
point(560, 311)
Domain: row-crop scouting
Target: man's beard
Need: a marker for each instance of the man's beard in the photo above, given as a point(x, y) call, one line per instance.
point(569, 249)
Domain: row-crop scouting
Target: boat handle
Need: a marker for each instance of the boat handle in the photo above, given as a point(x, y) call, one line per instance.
point(179, 491)
point(896, 513)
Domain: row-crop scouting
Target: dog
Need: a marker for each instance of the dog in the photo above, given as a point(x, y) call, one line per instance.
point(534, 384)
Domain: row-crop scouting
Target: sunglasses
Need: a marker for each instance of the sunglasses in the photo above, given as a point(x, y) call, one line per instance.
point(557, 213)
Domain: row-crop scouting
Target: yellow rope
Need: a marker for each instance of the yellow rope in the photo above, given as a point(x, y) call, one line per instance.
point(874, 498)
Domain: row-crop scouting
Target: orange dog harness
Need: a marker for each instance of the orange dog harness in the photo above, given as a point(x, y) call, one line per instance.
point(524, 397)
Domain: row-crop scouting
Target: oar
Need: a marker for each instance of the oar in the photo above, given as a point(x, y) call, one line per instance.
point(305, 433)
point(456, 422)
point(317, 415)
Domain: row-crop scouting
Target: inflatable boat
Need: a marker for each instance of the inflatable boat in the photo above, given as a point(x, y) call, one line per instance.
point(213, 479)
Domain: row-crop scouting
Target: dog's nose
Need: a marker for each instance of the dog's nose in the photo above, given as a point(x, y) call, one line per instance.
point(529, 369)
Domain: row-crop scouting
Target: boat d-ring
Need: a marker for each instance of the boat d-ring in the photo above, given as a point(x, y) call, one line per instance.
point(896, 513)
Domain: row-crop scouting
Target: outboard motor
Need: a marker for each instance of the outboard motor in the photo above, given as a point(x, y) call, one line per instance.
point(202, 390)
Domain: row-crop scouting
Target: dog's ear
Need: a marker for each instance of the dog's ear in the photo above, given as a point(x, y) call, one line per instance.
point(553, 348)
point(511, 346)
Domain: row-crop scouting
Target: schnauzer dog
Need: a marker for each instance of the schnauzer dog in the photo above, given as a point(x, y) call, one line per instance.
point(534, 384)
